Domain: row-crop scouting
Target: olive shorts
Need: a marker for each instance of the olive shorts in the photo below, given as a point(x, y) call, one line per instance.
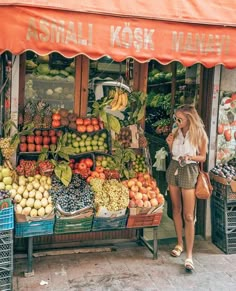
point(183, 177)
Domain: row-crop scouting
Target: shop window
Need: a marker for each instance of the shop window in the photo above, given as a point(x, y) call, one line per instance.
point(51, 79)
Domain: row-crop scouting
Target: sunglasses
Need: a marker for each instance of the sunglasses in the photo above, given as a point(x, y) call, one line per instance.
point(177, 119)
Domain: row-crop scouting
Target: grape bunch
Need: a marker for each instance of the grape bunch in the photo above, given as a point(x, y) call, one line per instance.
point(76, 196)
point(6, 148)
point(111, 194)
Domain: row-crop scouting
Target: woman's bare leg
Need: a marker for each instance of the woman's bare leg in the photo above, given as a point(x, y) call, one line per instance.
point(175, 195)
point(189, 200)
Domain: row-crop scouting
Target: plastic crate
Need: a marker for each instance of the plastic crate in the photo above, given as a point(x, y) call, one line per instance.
point(103, 223)
point(144, 220)
point(225, 240)
point(72, 225)
point(6, 280)
point(224, 192)
point(6, 250)
point(223, 214)
point(6, 218)
point(34, 228)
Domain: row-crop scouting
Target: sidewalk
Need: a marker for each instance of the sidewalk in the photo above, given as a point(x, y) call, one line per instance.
point(130, 267)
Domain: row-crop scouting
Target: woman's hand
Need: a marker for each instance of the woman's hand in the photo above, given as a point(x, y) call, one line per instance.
point(169, 140)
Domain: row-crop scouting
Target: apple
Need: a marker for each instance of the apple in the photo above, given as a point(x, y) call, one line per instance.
point(31, 147)
point(2, 186)
point(46, 146)
point(59, 132)
point(38, 147)
point(38, 139)
point(23, 147)
point(23, 138)
point(30, 139)
point(45, 133)
point(46, 140)
point(53, 139)
point(37, 132)
point(7, 180)
point(52, 132)
point(6, 172)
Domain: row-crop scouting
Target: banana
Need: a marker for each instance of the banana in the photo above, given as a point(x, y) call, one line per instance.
point(118, 103)
point(124, 103)
point(115, 99)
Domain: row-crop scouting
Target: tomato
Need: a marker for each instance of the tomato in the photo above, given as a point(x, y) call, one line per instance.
point(79, 121)
point(96, 127)
point(89, 162)
point(94, 121)
point(56, 123)
point(90, 128)
point(56, 116)
point(81, 128)
point(95, 174)
point(82, 166)
point(220, 129)
point(99, 169)
point(87, 121)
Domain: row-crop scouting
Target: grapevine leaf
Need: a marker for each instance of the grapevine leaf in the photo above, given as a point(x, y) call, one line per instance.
point(103, 116)
point(141, 113)
point(63, 156)
point(64, 139)
point(126, 173)
point(58, 172)
point(114, 123)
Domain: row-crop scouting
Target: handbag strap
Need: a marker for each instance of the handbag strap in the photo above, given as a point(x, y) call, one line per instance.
point(201, 166)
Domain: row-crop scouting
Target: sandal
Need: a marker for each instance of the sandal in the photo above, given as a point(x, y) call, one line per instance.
point(177, 251)
point(189, 266)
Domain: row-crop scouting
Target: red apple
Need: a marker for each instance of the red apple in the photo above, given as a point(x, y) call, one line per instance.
point(38, 139)
point(30, 139)
point(23, 147)
point(46, 140)
point(44, 132)
point(52, 132)
point(53, 139)
point(37, 132)
point(31, 147)
point(38, 147)
point(59, 132)
point(23, 138)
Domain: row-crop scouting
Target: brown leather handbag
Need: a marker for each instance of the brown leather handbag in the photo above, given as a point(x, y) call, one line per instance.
point(203, 189)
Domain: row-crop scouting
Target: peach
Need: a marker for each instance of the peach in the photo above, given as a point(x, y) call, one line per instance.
point(145, 197)
point(134, 188)
point(139, 203)
point(154, 202)
point(143, 190)
point(147, 204)
point(139, 184)
point(132, 204)
point(152, 194)
point(138, 196)
point(130, 183)
point(131, 194)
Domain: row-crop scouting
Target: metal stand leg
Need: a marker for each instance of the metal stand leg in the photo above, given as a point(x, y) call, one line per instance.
point(155, 243)
point(30, 272)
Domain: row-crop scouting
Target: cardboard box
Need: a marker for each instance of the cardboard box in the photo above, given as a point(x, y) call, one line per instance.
point(104, 212)
point(224, 181)
point(24, 218)
point(146, 210)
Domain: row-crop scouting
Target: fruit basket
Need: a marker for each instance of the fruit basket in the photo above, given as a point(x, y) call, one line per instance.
point(72, 224)
point(6, 219)
point(34, 228)
point(144, 220)
point(223, 189)
point(103, 223)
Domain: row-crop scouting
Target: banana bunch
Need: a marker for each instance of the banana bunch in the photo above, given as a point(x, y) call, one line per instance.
point(30, 64)
point(120, 100)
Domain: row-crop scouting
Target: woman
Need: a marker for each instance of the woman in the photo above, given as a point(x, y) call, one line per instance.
point(188, 145)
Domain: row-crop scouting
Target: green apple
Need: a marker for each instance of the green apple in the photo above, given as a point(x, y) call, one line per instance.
point(8, 187)
point(7, 180)
point(101, 148)
point(2, 186)
point(73, 135)
point(88, 142)
point(78, 138)
point(84, 136)
point(104, 135)
point(95, 147)
point(95, 137)
point(104, 163)
point(83, 149)
point(89, 148)
point(100, 143)
point(77, 150)
point(6, 172)
point(98, 163)
point(75, 144)
point(94, 142)
point(82, 143)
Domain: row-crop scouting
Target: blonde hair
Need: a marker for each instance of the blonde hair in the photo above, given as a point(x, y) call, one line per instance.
point(197, 133)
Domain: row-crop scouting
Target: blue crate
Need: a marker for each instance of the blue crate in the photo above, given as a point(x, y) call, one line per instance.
point(104, 223)
point(225, 240)
point(6, 250)
point(34, 228)
point(6, 280)
point(6, 219)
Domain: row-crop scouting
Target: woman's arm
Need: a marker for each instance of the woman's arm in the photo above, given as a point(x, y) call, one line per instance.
point(201, 156)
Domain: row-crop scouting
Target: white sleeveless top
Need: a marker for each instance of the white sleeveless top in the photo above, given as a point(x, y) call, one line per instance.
point(182, 147)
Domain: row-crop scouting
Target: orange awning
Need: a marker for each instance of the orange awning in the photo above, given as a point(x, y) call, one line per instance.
point(192, 31)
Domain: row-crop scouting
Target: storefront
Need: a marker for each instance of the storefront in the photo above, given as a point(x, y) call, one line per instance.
point(82, 32)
